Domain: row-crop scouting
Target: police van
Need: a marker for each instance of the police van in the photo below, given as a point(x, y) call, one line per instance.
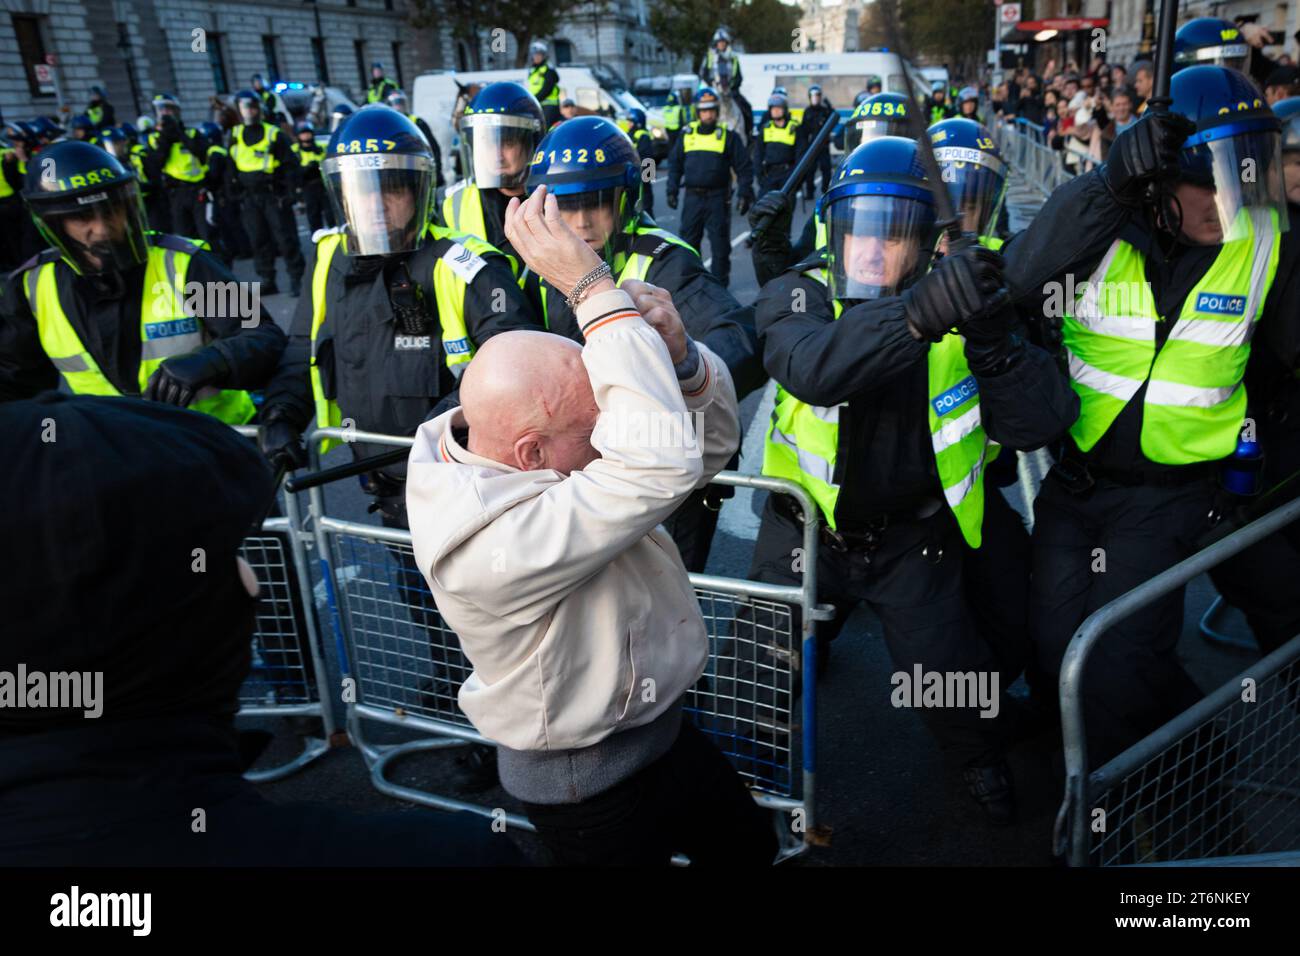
point(435, 95)
point(841, 76)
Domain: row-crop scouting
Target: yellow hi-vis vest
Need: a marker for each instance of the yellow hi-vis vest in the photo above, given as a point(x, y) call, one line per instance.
point(803, 440)
point(462, 212)
point(5, 189)
point(184, 165)
point(165, 329)
point(255, 158)
point(460, 257)
point(785, 135)
point(672, 117)
point(715, 142)
point(1195, 399)
point(537, 79)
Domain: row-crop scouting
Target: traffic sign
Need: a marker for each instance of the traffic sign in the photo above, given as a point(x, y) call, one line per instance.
point(44, 73)
point(1010, 13)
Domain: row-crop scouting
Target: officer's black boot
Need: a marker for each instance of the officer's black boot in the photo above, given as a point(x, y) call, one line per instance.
point(990, 785)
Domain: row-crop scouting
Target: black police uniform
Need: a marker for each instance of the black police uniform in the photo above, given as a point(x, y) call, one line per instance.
point(266, 203)
point(774, 158)
point(1145, 515)
point(316, 204)
point(814, 118)
point(184, 211)
point(897, 545)
point(227, 236)
point(105, 313)
point(645, 149)
point(710, 315)
point(706, 174)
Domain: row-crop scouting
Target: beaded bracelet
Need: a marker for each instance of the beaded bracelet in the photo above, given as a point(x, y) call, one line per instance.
point(577, 293)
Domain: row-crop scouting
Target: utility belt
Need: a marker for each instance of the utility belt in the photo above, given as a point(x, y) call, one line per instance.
point(171, 182)
point(1079, 475)
point(859, 535)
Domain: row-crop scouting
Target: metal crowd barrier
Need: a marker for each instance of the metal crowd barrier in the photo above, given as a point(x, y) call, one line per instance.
point(287, 666)
point(756, 700)
point(1221, 780)
point(1024, 145)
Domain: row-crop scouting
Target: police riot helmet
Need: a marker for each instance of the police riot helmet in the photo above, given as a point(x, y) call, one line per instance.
point(501, 128)
point(721, 34)
point(880, 220)
point(212, 132)
point(249, 105)
point(339, 114)
point(145, 123)
point(706, 98)
point(1210, 41)
point(164, 104)
point(636, 116)
point(114, 141)
point(86, 204)
point(399, 101)
point(882, 114)
point(594, 172)
point(379, 173)
point(1235, 152)
point(779, 100)
point(973, 171)
point(82, 122)
point(537, 46)
point(1288, 111)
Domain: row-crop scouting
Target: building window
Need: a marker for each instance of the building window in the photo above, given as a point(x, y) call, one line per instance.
point(462, 56)
point(318, 58)
point(31, 47)
point(217, 61)
point(397, 65)
point(563, 52)
point(272, 60)
point(359, 46)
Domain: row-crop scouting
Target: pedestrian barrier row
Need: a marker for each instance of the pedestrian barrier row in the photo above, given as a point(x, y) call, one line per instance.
point(1221, 781)
point(403, 666)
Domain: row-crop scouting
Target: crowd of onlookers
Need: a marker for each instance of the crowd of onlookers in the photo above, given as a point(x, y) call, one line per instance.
point(1081, 111)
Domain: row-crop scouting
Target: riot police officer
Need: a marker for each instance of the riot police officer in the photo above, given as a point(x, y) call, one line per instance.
point(544, 82)
point(590, 167)
point(885, 416)
point(310, 153)
point(674, 114)
point(263, 176)
point(1158, 341)
point(501, 128)
point(110, 309)
point(176, 162)
point(380, 86)
point(817, 114)
point(703, 160)
point(100, 110)
point(645, 149)
point(779, 144)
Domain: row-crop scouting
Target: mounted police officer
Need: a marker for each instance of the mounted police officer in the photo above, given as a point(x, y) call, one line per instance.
point(886, 416)
point(590, 167)
point(703, 160)
point(111, 309)
point(263, 177)
point(501, 128)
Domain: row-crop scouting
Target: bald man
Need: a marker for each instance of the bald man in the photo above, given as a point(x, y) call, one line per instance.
point(534, 509)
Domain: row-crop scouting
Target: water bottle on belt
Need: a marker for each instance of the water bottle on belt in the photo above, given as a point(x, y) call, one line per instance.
point(1243, 470)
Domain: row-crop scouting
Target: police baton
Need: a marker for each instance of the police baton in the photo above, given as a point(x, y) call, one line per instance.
point(801, 169)
point(358, 467)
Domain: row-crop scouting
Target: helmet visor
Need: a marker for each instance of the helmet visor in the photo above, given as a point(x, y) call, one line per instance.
point(96, 232)
point(877, 245)
point(118, 147)
point(1229, 180)
point(500, 148)
point(383, 199)
point(866, 128)
point(977, 184)
point(599, 216)
point(1235, 56)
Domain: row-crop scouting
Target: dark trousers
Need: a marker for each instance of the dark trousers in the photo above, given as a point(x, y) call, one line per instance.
point(319, 211)
point(1261, 582)
point(693, 524)
point(822, 165)
point(1133, 682)
point(271, 226)
point(774, 177)
point(184, 209)
point(913, 581)
point(708, 211)
point(230, 230)
point(690, 801)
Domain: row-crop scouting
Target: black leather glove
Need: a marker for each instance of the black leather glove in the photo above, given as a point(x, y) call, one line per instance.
point(672, 200)
point(1145, 151)
point(992, 347)
point(771, 208)
point(744, 203)
point(281, 442)
point(179, 379)
point(960, 288)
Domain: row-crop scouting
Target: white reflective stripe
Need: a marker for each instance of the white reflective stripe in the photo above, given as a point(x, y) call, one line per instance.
point(1136, 327)
point(1116, 386)
point(1210, 332)
point(1264, 239)
point(1085, 309)
point(809, 464)
point(957, 493)
point(73, 363)
point(169, 346)
point(831, 414)
point(1187, 396)
point(955, 429)
point(457, 197)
